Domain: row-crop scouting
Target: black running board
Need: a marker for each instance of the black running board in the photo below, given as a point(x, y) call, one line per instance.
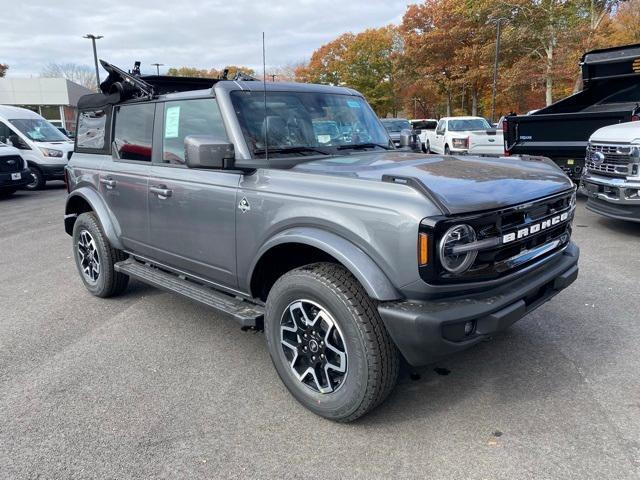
point(248, 315)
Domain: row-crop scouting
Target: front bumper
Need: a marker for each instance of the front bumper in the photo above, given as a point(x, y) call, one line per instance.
point(7, 182)
point(612, 197)
point(53, 171)
point(427, 330)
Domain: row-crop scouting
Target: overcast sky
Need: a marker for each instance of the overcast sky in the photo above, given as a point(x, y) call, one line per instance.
point(197, 33)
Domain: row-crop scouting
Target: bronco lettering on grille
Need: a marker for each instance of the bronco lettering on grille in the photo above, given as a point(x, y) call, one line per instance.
point(535, 228)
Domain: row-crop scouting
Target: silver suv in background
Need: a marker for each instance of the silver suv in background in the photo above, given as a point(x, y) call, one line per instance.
point(348, 253)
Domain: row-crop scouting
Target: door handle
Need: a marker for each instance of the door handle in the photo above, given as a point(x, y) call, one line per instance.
point(161, 190)
point(108, 182)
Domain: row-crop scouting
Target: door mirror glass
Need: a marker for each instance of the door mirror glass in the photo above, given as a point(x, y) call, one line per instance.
point(206, 151)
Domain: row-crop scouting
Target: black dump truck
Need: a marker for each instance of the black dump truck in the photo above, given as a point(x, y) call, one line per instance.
point(610, 94)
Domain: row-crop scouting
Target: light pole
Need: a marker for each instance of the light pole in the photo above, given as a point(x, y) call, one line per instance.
point(158, 65)
point(498, 22)
point(93, 39)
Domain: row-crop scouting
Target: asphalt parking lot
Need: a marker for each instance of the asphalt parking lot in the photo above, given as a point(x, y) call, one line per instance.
point(149, 385)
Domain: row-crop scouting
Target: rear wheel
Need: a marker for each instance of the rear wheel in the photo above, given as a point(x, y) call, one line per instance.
point(38, 179)
point(95, 258)
point(328, 343)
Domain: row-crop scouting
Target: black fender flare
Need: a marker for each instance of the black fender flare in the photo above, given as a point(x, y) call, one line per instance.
point(109, 223)
point(369, 274)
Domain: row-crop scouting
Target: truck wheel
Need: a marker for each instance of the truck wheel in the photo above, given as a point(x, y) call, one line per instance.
point(38, 179)
point(424, 148)
point(328, 343)
point(446, 150)
point(95, 258)
point(429, 147)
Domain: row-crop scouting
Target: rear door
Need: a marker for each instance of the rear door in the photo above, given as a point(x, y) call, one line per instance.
point(124, 179)
point(192, 211)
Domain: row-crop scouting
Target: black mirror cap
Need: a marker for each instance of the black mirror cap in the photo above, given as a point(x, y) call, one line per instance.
point(18, 142)
point(207, 151)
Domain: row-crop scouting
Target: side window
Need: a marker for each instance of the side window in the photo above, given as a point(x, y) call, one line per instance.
point(189, 117)
point(440, 128)
point(133, 133)
point(91, 129)
point(5, 133)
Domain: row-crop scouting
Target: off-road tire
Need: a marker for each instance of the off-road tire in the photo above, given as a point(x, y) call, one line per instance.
point(109, 282)
point(372, 358)
point(38, 180)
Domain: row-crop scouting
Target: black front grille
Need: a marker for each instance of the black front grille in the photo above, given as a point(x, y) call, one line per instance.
point(10, 164)
point(507, 258)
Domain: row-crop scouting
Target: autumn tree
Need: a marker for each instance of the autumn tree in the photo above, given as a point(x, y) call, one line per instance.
point(365, 61)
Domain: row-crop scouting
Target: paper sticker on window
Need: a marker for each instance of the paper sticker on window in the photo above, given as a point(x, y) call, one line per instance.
point(172, 122)
point(353, 103)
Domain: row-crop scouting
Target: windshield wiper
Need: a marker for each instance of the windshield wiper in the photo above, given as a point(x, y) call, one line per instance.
point(362, 146)
point(259, 151)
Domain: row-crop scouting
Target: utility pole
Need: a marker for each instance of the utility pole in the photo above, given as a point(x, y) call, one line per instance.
point(93, 39)
point(498, 22)
point(158, 65)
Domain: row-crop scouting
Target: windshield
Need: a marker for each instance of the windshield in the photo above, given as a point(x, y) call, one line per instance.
point(468, 124)
point(396, 126)
point(306, 123)
point(39, 130)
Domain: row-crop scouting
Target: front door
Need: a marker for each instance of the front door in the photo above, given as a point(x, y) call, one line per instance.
point(439, 137)
point(124, 179)
point(192, 211)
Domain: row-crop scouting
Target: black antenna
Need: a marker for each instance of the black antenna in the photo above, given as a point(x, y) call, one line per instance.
point(264, 89)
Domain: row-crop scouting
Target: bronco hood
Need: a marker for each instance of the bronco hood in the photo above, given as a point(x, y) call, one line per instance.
point(457, 184)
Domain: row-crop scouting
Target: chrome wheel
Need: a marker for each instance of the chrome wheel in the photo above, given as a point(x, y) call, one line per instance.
point(88, 257)
point(313, 346)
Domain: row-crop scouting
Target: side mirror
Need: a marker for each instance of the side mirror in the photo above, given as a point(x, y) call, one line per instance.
point(405, 138)
point(206, 151)
point(18, 143)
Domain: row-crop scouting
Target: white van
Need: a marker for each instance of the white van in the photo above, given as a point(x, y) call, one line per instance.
point(42, 145)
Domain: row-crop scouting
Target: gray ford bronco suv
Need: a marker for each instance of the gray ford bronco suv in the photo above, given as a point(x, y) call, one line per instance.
point(349, 253)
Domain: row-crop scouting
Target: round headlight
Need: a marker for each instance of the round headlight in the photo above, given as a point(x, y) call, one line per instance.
point(457, 236)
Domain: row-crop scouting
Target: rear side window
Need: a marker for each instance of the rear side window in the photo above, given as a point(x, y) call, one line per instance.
point(91, 129)
point(189, 117)
point(133, 134)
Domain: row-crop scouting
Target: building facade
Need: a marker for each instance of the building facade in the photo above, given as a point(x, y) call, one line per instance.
point(55, 99)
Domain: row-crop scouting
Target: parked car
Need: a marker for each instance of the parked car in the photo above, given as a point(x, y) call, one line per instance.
point(45, 149)
point(14, 171)
point(451, 136)
point(421, 126)
point(348, 254)
point(610, 95)
point(488, 142)
point(396, 127)
point(611, 179)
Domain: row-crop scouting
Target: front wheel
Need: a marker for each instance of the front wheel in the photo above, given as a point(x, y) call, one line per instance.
point(95, 258)
point(38, 182)
point(446, 150)
point(328, 343)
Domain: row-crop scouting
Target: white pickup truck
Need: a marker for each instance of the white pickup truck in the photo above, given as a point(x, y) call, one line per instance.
point(452, 134)
point(421, 126)
point(488, 142)
point(611, 177)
